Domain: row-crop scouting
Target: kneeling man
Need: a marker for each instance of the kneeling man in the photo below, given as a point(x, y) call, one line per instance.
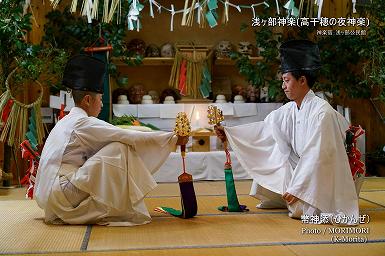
point(90, 171)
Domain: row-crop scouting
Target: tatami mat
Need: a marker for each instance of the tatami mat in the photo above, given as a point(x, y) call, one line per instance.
point(281, 250)
point(338, 249)
point(201, 188)
point(22, 230)
point(373, 183)
point(220, 231)
point(231, 251)
point(207, 205)
point(12, 194)
point(376, 197)
point(258, 232)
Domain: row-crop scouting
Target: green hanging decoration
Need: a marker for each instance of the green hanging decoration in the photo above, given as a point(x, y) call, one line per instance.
point(211, 14)
point(292, 10)
point(32, 133)
point(205, 87)
point(133, 16)
point(15, 124)
point(215, 116)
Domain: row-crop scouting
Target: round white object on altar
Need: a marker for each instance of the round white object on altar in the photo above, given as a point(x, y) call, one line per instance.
point(169, 100)
point(146, 99)
point(220, 98)
point(238, 99)
point(122, 99)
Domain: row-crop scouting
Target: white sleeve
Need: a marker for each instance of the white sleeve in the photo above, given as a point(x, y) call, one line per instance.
point(152, 147)
point(97, 133)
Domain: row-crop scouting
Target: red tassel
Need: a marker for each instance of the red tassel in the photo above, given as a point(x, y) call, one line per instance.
point(61, 113)
point(33, 159)
point(6, 111)
point(356, 165)
point(182, 78)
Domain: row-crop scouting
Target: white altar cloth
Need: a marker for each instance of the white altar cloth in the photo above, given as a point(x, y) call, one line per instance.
point(201, 165)
point(163, 115)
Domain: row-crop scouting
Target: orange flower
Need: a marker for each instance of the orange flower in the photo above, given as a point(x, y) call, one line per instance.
point(135, 122)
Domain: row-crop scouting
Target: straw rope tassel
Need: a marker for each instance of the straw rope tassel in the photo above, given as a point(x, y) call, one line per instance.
point(94, 13)
point(54, 3)
point(74, 5)
point(179, 63)
point(105, 10)
point(7, 126)
point(203, 22)
point(174, 77)
point(15, 126)
point(191, 14)
point(14, 119)
point(191, 76)
point(301, 8)
point(4, 99)
point(183, 23)
point(23, 125)
point(113, 7)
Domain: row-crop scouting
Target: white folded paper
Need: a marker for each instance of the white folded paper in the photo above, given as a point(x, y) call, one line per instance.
point(64, 98)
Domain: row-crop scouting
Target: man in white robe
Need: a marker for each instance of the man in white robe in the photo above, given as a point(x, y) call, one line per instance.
point(90, 171)
point(297, 155)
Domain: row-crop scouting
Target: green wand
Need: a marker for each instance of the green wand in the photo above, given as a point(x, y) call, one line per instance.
point(215, 117)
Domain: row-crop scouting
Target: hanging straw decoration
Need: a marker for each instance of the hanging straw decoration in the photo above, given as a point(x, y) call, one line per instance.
point(94, 12)
point(310, 9)
point(195, 61)
point(190, 17)
point(205, 11)
point(86, 10)
point(15, 124)
point(301, 7)
point(185, 11)
point(54, 3)
point(201, 15)
point(114, 6)
point(105, 10)
point(74, 5)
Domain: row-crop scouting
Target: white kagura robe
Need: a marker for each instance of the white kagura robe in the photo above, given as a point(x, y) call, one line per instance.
point(302, 152)
point(114, 166)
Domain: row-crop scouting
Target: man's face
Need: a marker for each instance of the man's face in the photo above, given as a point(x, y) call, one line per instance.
point(291, 86)
point(136, 93)
point(96, 105)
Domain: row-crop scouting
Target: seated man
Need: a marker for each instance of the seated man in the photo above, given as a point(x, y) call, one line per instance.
point(297, 155)
point(91, 171)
